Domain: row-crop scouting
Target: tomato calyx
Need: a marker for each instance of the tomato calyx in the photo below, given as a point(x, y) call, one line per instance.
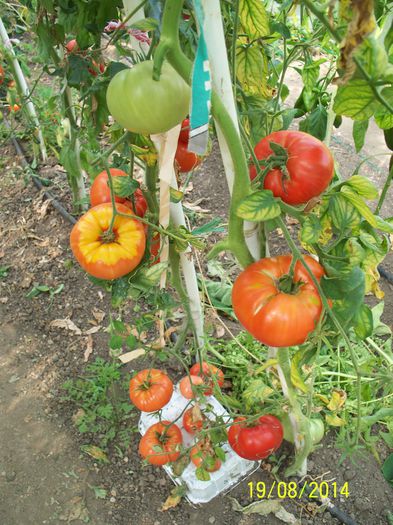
point(277, 160)
point(108, 236)
point(287, 285)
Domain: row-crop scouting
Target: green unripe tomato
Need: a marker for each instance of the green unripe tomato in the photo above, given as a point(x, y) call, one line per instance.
point(146, 106)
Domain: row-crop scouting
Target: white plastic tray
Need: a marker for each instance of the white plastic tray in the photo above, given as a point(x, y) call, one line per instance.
point(232, 471)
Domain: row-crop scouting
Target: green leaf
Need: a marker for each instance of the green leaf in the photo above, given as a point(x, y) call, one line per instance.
point(4, 271)
point(220, 453)
point(343, 214)
point(202, 474)
point(99, 492)
point(148, 277)
point(363, 186)
point(146, 24)
point(310, 75)
point(348, 289)
point(360, 205)
point(311, 229)
point(387, 469)
point(259, 206)
point(213, 226)
point(115, 342)
point(120, 289)
point(282, 29)
point(124, 186)
point(252, 70)
point(384, 225)
point(383, 117)
point(364, 322)
point(359, 131)
point(316, 123)
point(355, 100)
point(253, 18)
point(95, 452)
point(296, 377)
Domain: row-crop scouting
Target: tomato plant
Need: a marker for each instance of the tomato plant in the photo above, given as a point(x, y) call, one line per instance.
point(185, 160)
point(143, 105)
point(193, 419)
point(161, 443)
point(256, 440)
point(276, 308)
point(186, 386)
point(210, 374)
point(203, 455)
point(150, 390)
point(100, 193)
point(105, 254)
point(301, 168)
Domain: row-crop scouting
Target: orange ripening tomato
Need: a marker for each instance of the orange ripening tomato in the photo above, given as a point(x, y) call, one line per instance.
point(208, 372)
point(161, 443)
point(100, 192)
point(14, 108)
point(276, 309)
point(186, 385)
point(96, 68)
point(1, 74)
point(108, 257)
point(185, 160)
point(72, 46)
point(150, 390)
point(202, 455)
point(193, 420)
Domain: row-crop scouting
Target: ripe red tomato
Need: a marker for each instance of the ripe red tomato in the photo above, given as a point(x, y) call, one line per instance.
point(72, 46)
point(185, 131)
point(165, 436)
point(108, 258)
point(269, 309)
point(258, 440)
point(202, 455)
point(186, 384)
point(150, 390)
point(310, 166)
point(1, 74)
point(14, 108)
point(155, 246)
point(185, 160)
point(207, 373)
point(100, 192)
point(96, 68)
point(193, 420)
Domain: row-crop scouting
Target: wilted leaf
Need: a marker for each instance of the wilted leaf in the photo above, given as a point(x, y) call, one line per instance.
point(95, 452)
point(74, 509)
point(259, 206)
point(174, 498)
point(99, 492)
point(355, 100)
point(265, 507)
point(89, 348)
point(334, 420)
point(93, 330)
point(253, 18)
point(337, 400)
point(98, 314)
point(67, 324)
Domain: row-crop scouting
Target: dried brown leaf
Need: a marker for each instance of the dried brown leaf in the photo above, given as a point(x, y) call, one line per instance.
point(98, 314)
point(89, 348)
point(93, 330)
point(130, 356)
point(66, 324)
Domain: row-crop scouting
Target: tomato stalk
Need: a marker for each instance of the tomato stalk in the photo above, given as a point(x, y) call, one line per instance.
point(169, 47)
point(385, 188)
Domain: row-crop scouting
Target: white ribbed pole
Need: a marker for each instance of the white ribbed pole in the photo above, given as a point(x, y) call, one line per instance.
point(24, 88)
point(222, 83)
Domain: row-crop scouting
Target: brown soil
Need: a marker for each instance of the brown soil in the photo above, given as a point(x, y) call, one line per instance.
point(44, 477)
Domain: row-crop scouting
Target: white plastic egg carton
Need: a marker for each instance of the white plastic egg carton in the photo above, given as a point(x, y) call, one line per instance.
point(232, 471)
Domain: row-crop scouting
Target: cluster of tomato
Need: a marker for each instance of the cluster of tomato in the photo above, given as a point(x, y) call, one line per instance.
point(12, 97)
point(94, 67)
point(151, 390)
point(104, 253)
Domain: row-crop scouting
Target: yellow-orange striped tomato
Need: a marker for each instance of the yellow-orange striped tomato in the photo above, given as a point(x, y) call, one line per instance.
point(113, 257)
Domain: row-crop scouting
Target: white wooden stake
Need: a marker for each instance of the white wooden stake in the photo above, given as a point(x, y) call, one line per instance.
point(222, 83)
point(24, 88)
point(129, 6)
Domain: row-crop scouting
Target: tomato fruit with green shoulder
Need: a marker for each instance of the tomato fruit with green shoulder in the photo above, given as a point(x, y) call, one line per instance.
point(150, 390)
point(107, 257)
point(276, 309)
point(309, 166)
point(161, 443)
point(100, 193)
point(146, 106)
point(257, 440)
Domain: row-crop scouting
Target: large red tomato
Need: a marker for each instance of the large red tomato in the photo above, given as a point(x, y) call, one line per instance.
point(208, 373)
point(257, 440)
point(187, 386)
point(100, 192)
point(185, 160)
point(104, 256)
point(161, 443)
point(309, 167)
point(193, 420)
point(150, 390)
point(277, 310)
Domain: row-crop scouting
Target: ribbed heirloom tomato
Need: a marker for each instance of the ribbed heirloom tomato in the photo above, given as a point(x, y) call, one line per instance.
point(209, 374)
point(309, 166)
point(100, 192)
point(161, 443)
point(276, 309)
point(108, 256)
point(150, 390)
point(186, 386)
point(257, 440)
point(146, 106)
